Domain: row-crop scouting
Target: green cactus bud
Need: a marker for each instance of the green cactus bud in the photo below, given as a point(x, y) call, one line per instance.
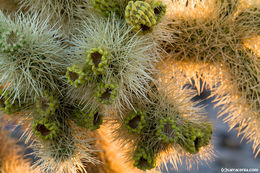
point(135, 121)
point(144, 158)
point(11, 40)
point(106, 92)
point(90, 120)
point(47, 104)
point(106, 7)
point(6, 104)
point(140, 15)
point(76, 76)
point(97, 60)
point(167, 130)
point(195, 136)
point(159, 10)
point(45, 128)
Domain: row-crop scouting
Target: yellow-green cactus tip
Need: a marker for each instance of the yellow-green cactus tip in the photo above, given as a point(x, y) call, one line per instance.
point(140, 16)
point(106, 93)
point(135, 121)
point(45, 129)
point(76, 76)
point(159, 10)
point(97, 60)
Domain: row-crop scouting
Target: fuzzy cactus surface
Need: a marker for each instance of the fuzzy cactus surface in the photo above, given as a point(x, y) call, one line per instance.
point(98, 82)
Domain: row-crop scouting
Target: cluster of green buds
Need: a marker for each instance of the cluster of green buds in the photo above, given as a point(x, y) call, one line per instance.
point(135, 121)
point(96, 65)
point(11, 40)
point(45, 128)
point(106, 93)
point(195, 136)
point(47, 104)
point(91, 119)
point(143, 15)
point(144, 158)
point(6, 104)
point(167, 130)
point(76, 75)
point(97, 60)
point(106, 7)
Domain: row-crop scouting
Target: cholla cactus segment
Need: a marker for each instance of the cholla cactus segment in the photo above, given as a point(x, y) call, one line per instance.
point(38, 64)
point(97, 60)
point(88, 119)
point(106, 7)
point(6, 103)
point(135, 121)
point(130, 58)
point(140, 16)
point(70, 151)
point(45, 128)
point(159, 10)
point(167, 130)
point(144, 158)
point(11, 40)
point(106, 93)
point(76, 76)
point(195, 136)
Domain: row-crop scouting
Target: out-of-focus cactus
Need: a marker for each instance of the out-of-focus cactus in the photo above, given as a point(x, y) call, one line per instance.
point(106, 7)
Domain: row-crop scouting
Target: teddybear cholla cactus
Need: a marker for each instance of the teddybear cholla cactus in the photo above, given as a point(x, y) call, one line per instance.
point(236, 81)
point(105, 67)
